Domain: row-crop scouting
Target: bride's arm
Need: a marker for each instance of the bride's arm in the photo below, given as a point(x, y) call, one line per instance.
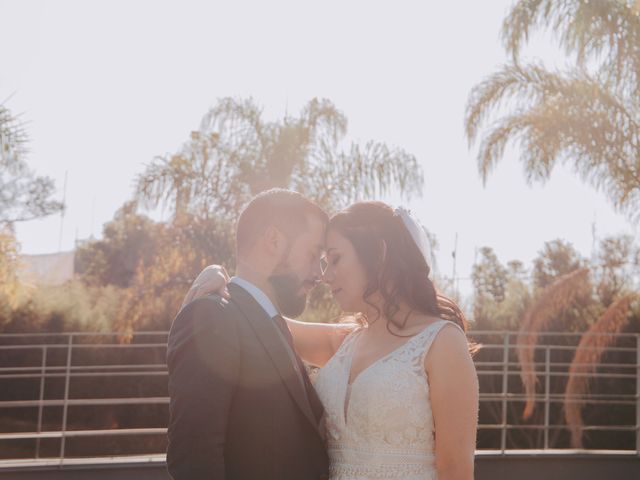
point(316, 343)
point(453, 385)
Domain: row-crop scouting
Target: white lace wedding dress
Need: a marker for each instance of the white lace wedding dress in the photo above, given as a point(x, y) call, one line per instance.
point(380, 426)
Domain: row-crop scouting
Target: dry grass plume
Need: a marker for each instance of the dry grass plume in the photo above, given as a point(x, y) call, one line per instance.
point(551, 303)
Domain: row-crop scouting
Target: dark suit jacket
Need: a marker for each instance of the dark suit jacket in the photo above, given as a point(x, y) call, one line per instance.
point(238, 407)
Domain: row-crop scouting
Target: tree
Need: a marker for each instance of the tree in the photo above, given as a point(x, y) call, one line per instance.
point(501, 294)
point(8, 267)
point(489, 276)
point(617, 268)
point(151, 263)
point(180, 252)
point(236, 154)
point(23, 195)
point(557, 258)
point(587, 116)
point(128, 240)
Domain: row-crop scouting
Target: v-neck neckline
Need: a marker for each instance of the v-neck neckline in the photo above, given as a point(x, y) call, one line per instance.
point(354, 344)
point(348, 391)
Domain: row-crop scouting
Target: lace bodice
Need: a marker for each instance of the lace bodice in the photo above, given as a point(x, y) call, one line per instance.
point(380, 426)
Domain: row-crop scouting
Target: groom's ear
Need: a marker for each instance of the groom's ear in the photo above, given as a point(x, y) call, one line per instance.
point(274, 241)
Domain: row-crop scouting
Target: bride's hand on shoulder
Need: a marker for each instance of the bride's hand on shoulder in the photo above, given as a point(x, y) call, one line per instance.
point(213, 279)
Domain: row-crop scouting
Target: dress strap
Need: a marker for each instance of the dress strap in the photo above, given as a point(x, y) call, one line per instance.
point(425, 339)
point(343, 349)
point(430, 334)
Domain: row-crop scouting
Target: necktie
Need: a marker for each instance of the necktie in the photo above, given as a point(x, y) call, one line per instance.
point(314, 401)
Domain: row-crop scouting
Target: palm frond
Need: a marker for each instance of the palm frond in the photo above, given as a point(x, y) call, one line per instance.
point(604, 32)
point(560, 117)
point(324, 121)
point(13, 138)
point(368, 171)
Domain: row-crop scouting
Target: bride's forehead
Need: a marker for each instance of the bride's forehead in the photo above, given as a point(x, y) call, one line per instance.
point(336, 241)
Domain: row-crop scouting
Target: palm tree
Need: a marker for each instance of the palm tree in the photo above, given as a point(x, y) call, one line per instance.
point(236, 153)
point(587, 117)
point(23, 195)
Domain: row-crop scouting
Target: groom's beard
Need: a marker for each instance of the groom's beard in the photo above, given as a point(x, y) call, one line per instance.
point(286, 288)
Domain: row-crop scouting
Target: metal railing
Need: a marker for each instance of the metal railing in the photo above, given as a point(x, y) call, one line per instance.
point(31, 364)
point(553, 357)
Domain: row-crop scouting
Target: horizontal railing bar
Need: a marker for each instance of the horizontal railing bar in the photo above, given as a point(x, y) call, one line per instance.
point(557, 364)
point(81, 367)
point(163, 430)
point(84, 402)
point(164, 345)
point(80, 346)
point(471, 333)
point(83, 334)
point(156, 400)
point(557, 374)
point(616, 428)
point(559, 400)
point(83, 374)
point(82, 433)
point(502, 333)
point(49, 369)
point(541, 396)
point(514, 347)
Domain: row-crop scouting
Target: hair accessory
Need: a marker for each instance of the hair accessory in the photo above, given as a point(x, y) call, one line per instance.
point(417, 232)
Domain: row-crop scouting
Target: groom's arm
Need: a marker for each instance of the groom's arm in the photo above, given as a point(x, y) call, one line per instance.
point(203, 360)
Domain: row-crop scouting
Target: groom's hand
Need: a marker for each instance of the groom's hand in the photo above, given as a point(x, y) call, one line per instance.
point(213, 279)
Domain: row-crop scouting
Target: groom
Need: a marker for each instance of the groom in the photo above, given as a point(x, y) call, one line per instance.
point(242, 406)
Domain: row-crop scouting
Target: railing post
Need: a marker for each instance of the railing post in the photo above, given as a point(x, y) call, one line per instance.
point(65, 406)
point(43, 370)
point(638, 395)
point(505, 389)
point(547, 394)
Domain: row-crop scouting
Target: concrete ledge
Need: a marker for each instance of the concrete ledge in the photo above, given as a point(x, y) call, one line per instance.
point(490, 465)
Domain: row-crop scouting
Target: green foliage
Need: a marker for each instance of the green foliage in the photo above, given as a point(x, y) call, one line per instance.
point(180, 252)
point(9, 285)
point(154, 263)
point(587, 116)
point(489, 276)
point(557, 258)
point(73, 306)
point(127, 241)
point(501, 294)
point(617, 268)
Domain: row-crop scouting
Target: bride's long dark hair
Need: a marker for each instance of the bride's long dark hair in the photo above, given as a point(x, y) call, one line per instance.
point(393, 263)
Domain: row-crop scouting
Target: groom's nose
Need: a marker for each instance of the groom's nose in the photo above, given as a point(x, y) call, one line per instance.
point(316, 273)
point(327, 277)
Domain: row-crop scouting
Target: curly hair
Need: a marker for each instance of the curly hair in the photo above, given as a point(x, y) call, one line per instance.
point(393, 263)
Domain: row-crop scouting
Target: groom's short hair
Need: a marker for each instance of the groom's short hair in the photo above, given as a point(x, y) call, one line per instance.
point(286, 209)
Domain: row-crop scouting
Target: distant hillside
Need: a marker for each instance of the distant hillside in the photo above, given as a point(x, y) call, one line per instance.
point(46, 269)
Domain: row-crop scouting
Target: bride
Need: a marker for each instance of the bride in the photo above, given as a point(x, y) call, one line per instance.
point(399, 387)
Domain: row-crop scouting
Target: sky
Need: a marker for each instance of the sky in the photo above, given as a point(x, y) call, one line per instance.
point(106, 86)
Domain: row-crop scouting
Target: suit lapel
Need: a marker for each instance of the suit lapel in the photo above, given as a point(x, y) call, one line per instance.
point(276, 346)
